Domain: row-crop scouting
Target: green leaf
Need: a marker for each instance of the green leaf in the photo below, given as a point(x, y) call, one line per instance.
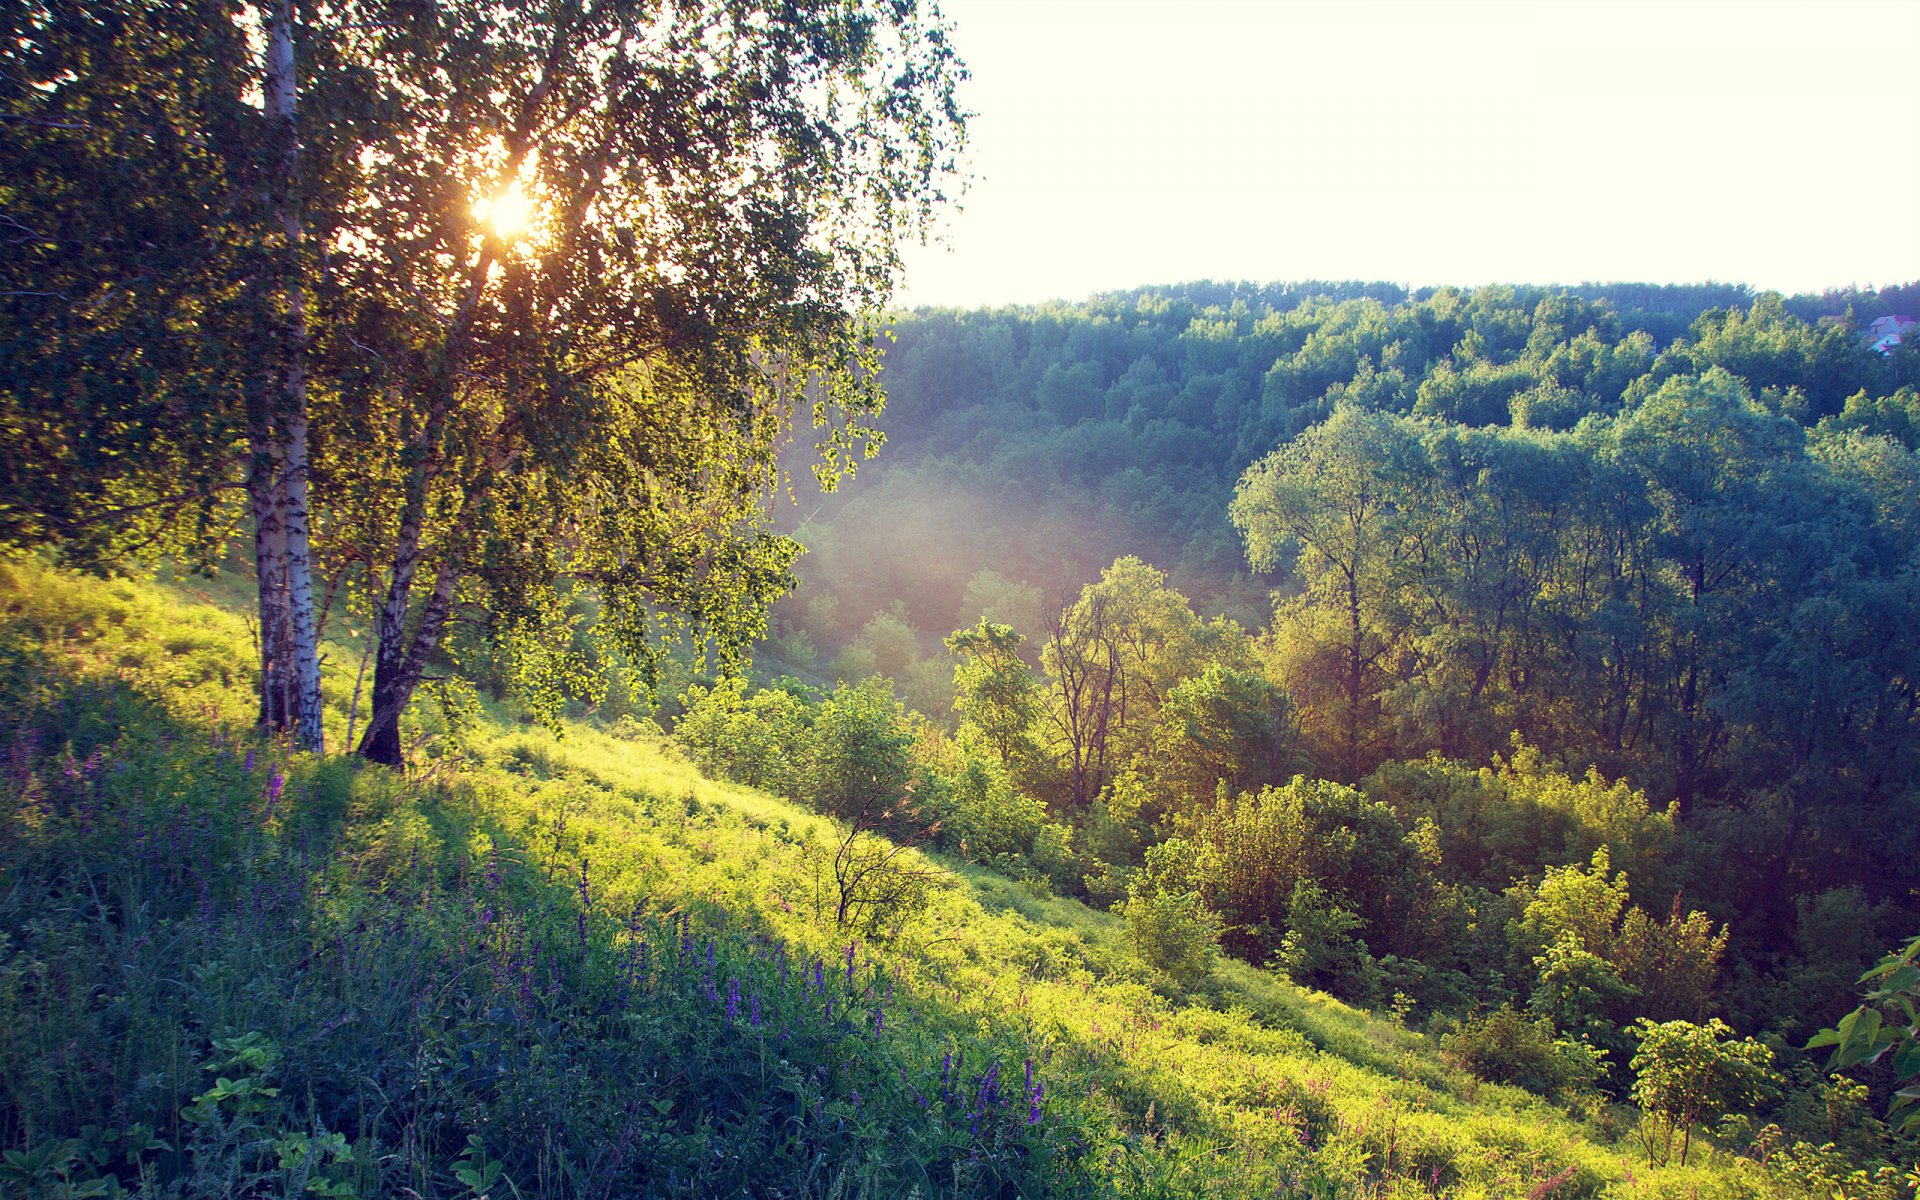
point(1906, 1063)
point(1858, 1030)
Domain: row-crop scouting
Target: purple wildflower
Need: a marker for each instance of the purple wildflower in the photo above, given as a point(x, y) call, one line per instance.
point(850, 946)
point(990, 1086)
point(276, 782)
point(733, 1000)
point(753, 1010)
point(249, 766)
point(879, 1019)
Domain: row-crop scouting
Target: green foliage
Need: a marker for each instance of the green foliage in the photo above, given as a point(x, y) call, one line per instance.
point(537, 947)
point(1507, 1046)
point(1310, 852)
point(1886, 1026)
point(1685, 1074)
point(1112, 656)
point(134, 177)
point(1331, 501)
point(1523, 815)
point(757, 740)
point(1319, 948)
point(1582, 904)
point(1223, 727)
point(1896, 416)
point(987, 817)
point(541, 983)
point(492, 411)
point(1174, 932)
point(857, 764)
point(1595, 962)
point(998, 697)
point(1644, 553)
point(1578, 990)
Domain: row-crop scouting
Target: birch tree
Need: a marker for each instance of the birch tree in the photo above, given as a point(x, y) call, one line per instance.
point(469, 298)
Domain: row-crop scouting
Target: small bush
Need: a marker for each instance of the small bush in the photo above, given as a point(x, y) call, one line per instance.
point(1173, 931)
point(1506, 1046)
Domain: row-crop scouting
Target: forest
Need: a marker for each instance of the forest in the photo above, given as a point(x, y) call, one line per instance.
point(1312, 739)
point(1584, 694)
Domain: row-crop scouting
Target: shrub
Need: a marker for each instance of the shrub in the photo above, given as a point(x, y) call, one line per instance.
point(1507, 1046)
point(986, 816)
point(1173, 931)
point(1319, 948)
point(1686, 1073)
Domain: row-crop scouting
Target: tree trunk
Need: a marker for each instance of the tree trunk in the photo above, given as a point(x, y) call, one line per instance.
point(300, 664)
point(402, 662)
point(270, 569)
point(303, 631)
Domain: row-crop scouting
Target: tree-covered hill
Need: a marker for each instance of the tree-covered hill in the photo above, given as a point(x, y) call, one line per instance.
point(1042, 443)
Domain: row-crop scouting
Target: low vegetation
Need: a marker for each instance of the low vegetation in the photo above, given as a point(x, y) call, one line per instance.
point(568, 963)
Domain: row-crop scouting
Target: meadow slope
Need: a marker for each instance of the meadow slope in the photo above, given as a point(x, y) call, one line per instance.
point(560, 962)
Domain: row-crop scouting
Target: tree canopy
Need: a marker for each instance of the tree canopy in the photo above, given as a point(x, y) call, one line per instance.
point(707, 203)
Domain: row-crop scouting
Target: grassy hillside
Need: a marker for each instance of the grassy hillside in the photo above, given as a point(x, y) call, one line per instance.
point(571, 966)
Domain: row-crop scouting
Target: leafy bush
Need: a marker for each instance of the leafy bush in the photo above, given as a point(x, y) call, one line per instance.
point(1319, 948)
point(752, 739)
point(986, 815)
point(1507, 1046)
point(1247, 857)
point(1173, 931)
point(1686, 1073)
point(858, 762)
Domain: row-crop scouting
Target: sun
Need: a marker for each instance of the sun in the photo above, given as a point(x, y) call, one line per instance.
point(508, 214)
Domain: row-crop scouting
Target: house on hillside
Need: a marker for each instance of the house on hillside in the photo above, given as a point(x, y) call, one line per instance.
point(1885, 332)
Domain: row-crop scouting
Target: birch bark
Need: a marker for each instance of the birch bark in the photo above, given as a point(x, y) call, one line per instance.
point(288, 490)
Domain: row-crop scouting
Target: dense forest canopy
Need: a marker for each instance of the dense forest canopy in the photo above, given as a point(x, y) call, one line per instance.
point(1029, 440)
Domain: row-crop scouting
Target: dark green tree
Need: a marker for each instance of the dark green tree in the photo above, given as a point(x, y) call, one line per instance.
point(1329, 500)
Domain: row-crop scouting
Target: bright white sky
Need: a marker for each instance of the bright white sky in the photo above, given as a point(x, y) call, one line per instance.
point(1128, 142)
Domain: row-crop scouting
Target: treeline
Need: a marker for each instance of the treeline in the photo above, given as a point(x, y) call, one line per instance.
point(1042, 443)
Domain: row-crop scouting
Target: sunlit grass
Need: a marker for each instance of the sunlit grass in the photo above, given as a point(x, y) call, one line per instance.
point(473, 869)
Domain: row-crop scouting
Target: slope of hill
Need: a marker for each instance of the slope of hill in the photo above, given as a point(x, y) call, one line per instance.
point(563, 963)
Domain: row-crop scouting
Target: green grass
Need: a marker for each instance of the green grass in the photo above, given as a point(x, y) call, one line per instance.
point(355, 984)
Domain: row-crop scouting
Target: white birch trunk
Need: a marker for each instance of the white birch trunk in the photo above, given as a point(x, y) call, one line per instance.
point(303, 635)
point(270, 570)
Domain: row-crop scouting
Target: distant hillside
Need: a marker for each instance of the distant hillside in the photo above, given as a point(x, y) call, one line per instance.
point(1041, 443)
